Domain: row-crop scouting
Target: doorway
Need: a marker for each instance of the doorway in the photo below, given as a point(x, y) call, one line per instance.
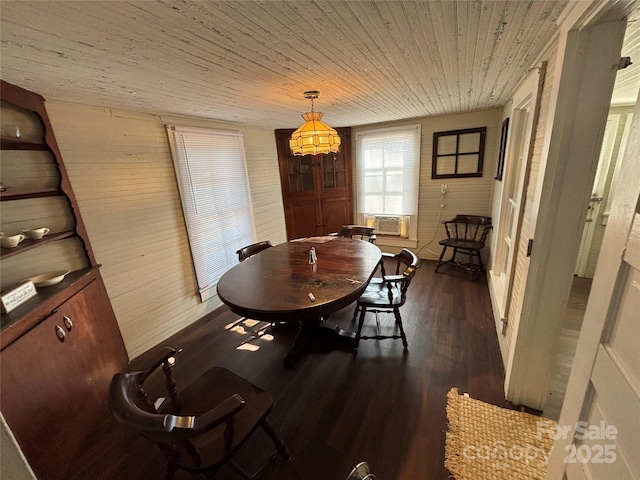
point(616, 134)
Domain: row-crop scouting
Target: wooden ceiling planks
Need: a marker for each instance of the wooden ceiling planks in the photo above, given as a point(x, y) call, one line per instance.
point(250, 61)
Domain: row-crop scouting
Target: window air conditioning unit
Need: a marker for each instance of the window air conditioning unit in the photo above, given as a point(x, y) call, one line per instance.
point(387, 225)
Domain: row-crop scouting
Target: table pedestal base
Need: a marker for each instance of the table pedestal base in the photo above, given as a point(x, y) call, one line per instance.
point(320, 330)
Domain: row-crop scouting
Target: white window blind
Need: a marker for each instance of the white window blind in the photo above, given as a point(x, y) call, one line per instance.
point(214, 188)
point(388, 171)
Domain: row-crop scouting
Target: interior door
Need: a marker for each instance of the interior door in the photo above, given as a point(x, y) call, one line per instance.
point(598, 435)
point(597, 194)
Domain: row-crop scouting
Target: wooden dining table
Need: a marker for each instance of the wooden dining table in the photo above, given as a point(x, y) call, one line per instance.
point(280, 285)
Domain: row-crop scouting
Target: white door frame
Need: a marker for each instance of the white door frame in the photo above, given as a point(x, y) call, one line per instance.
point(622, 233)
point(597, 193)
point(580, 103)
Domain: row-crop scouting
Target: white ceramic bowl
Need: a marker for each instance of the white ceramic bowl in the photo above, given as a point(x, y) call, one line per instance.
point(36, 233)
point(11, 241)
point(48, 279)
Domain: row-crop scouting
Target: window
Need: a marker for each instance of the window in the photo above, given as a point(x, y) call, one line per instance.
point(214, 189)
point(388, 170)
point(458, 153)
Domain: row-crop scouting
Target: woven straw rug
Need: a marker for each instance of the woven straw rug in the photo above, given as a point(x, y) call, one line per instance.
point(493, 443)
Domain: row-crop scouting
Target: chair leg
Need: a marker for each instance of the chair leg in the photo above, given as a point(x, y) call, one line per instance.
point(396, 313)
point(363, 310)
point(280, 446)
point(471, 264)
point(170, 472)
point(440, 262)
point(355, 313)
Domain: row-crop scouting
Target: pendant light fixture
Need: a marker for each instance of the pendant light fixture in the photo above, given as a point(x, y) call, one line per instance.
point(314, 137)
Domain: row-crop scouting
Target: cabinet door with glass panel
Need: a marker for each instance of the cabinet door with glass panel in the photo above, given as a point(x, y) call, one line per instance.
point(316, 189)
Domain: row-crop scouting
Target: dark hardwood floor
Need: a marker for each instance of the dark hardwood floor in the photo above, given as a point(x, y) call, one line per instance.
point(335, 408)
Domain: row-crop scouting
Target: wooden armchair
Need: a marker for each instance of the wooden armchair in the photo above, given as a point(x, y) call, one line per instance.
point(250, 250)
point(203, 427)
point(357, 231)
point(387, 295)
point(466, 234)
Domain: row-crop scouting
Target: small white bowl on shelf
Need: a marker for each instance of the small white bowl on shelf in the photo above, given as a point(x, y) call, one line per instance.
point(11, 241)
point(49, 279)
point(36, 233)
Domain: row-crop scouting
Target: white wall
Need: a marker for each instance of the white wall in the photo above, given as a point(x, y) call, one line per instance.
point(120, 167)
point(466, 195)
point(121, 170)
point(14, 466)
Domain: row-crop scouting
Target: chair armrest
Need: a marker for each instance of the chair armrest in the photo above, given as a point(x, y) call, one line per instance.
point(190, 425)
point(220, 413)
point(158, 359)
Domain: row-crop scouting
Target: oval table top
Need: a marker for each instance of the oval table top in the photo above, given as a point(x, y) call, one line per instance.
point(275, 284)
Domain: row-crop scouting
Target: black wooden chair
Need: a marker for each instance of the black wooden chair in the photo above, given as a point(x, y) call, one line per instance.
point(203, 427)
point(250, 250)
point(466, 234)
point(358, 231)
point(387, 295)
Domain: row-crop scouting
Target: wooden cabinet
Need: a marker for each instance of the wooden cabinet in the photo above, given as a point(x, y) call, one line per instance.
point(55, 378)
point(316, 190)
point(60, 348)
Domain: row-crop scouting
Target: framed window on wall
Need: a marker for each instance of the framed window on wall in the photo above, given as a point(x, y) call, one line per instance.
point(458, 153)
point(214, 188)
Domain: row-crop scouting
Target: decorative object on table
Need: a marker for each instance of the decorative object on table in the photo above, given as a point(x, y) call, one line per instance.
point(17, 296)
point(314, 137)
point(49, 279)
point(36, 233)
point(361, 472)
point(486, 441)
point(3, 187)
point(11, 241)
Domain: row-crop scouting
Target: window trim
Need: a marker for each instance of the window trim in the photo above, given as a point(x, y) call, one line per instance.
point(206, 284)
point(410, 220)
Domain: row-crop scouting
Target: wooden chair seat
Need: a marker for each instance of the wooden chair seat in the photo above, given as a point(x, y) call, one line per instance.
point(378, 292)
point(214, 387)
point(201, 428)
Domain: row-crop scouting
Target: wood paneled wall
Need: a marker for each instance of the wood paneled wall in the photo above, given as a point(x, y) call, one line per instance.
point(121, 169)
point(466, 195)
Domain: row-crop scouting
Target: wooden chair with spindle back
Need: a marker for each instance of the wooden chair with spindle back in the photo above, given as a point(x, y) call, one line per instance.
point(467, 235)
point(202, 427)
point(387, 295)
